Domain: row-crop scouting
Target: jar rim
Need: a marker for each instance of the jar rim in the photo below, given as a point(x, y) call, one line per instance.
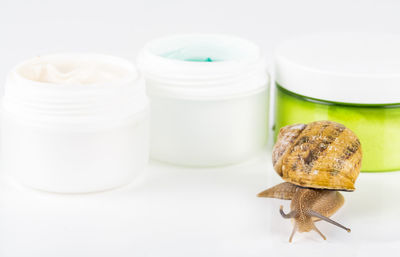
point(114, 99)
point(328, 102)
point(123, 64)
point(238, 66)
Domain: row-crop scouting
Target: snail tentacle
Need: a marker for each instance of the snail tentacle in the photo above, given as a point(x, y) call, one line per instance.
point(293, 232)
point(290, 215)
point(322, 217)
point(319, 232)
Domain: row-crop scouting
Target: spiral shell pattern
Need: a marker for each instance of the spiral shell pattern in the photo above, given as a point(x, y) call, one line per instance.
point(321, 154)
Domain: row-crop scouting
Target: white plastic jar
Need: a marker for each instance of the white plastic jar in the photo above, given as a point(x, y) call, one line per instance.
point(74, 123)
point(209, 99)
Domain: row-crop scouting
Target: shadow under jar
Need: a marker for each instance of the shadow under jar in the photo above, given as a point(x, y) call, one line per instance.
point(209, 99)
point(75, 123)
point(350, 79)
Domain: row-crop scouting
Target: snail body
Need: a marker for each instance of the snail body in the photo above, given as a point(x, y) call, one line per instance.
point(316, 160)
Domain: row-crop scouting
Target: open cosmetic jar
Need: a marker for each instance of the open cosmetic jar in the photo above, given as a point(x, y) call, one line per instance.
point(350, 79)
point(209, 99)
point(74, 123)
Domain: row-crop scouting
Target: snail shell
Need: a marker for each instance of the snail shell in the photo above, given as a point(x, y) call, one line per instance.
point(321, 154)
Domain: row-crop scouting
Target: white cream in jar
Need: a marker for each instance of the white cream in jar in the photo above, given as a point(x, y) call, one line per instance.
point(74, 123)
point(209, 99)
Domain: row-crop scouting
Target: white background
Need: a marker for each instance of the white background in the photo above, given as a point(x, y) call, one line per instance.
point(32, 27)
point(175, 211)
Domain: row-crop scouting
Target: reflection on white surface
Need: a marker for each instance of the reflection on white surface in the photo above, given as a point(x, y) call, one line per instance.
point(192, 212)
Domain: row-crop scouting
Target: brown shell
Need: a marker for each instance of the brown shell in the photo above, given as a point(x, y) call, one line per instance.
point(321, 154)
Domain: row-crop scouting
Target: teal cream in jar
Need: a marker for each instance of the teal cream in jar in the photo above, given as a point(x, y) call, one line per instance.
point(354, 80)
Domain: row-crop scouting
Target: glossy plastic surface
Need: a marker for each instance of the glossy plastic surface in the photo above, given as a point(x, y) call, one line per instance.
point(208, 133)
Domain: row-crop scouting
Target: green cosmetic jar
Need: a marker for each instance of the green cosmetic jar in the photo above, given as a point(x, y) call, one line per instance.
point(350, 79)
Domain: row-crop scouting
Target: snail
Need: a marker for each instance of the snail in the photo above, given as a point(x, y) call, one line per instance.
point(316, 160)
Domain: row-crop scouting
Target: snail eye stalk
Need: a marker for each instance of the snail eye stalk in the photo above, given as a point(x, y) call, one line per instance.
point(290, 215)
point(322, 217)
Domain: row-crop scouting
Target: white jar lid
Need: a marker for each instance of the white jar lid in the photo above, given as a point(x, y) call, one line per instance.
point(203, 66)
point(361, 69)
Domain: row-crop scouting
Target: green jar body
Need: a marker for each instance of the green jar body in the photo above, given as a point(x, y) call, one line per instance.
point(377, 126)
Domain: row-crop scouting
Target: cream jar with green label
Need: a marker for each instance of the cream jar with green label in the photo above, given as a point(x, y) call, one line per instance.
point(351, 79)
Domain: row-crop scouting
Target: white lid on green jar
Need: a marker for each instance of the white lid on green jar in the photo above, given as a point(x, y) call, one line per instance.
point(349, 68)
point(203, 66)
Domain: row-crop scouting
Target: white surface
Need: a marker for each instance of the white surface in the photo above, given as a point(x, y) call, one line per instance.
point(193, 212)
point(229, 220)
point(350, 68)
